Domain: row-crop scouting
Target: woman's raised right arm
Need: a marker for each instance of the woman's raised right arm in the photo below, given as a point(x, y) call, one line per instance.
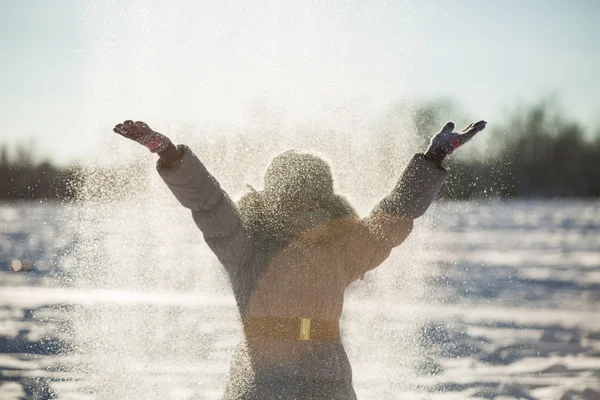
point(391, 221)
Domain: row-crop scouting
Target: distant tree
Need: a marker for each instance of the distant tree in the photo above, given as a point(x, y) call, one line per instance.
point(546, 155)
point(537, 152)
point(24, 176)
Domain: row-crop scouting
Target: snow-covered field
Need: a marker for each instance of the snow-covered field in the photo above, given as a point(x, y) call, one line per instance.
point(485, 300)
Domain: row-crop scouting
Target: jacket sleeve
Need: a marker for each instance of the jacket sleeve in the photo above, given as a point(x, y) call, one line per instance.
point(212, 209)
point(391, 221)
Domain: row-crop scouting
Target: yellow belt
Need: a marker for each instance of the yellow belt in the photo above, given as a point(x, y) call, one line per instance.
point(292, 328)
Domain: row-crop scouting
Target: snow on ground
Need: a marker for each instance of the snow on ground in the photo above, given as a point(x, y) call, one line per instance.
point(492, 300)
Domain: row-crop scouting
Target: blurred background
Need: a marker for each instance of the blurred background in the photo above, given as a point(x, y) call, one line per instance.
point(386, 71)
point(496, 293)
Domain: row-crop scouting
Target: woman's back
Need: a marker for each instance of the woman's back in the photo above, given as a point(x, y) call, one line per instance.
point(290, 251)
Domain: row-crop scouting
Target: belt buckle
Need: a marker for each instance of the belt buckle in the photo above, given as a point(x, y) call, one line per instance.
point(304, 329)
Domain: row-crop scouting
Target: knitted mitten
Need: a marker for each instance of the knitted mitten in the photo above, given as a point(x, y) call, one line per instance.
point(141, 133)
point(446, 141)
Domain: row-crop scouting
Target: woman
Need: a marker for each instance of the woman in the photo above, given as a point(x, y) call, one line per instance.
point(290, 250)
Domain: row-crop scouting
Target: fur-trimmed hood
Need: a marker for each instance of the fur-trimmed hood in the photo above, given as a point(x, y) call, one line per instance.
point(292, 175)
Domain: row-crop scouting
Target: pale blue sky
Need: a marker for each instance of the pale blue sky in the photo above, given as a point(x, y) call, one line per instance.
point(71, 69)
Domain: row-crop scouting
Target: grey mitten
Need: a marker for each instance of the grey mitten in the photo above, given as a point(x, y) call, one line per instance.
point(446, 141)
point(140, 132)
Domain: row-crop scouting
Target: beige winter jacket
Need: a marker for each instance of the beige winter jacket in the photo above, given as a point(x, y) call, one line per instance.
point(305, 278)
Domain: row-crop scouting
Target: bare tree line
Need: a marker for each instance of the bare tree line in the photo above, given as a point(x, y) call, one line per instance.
point(537, 152)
